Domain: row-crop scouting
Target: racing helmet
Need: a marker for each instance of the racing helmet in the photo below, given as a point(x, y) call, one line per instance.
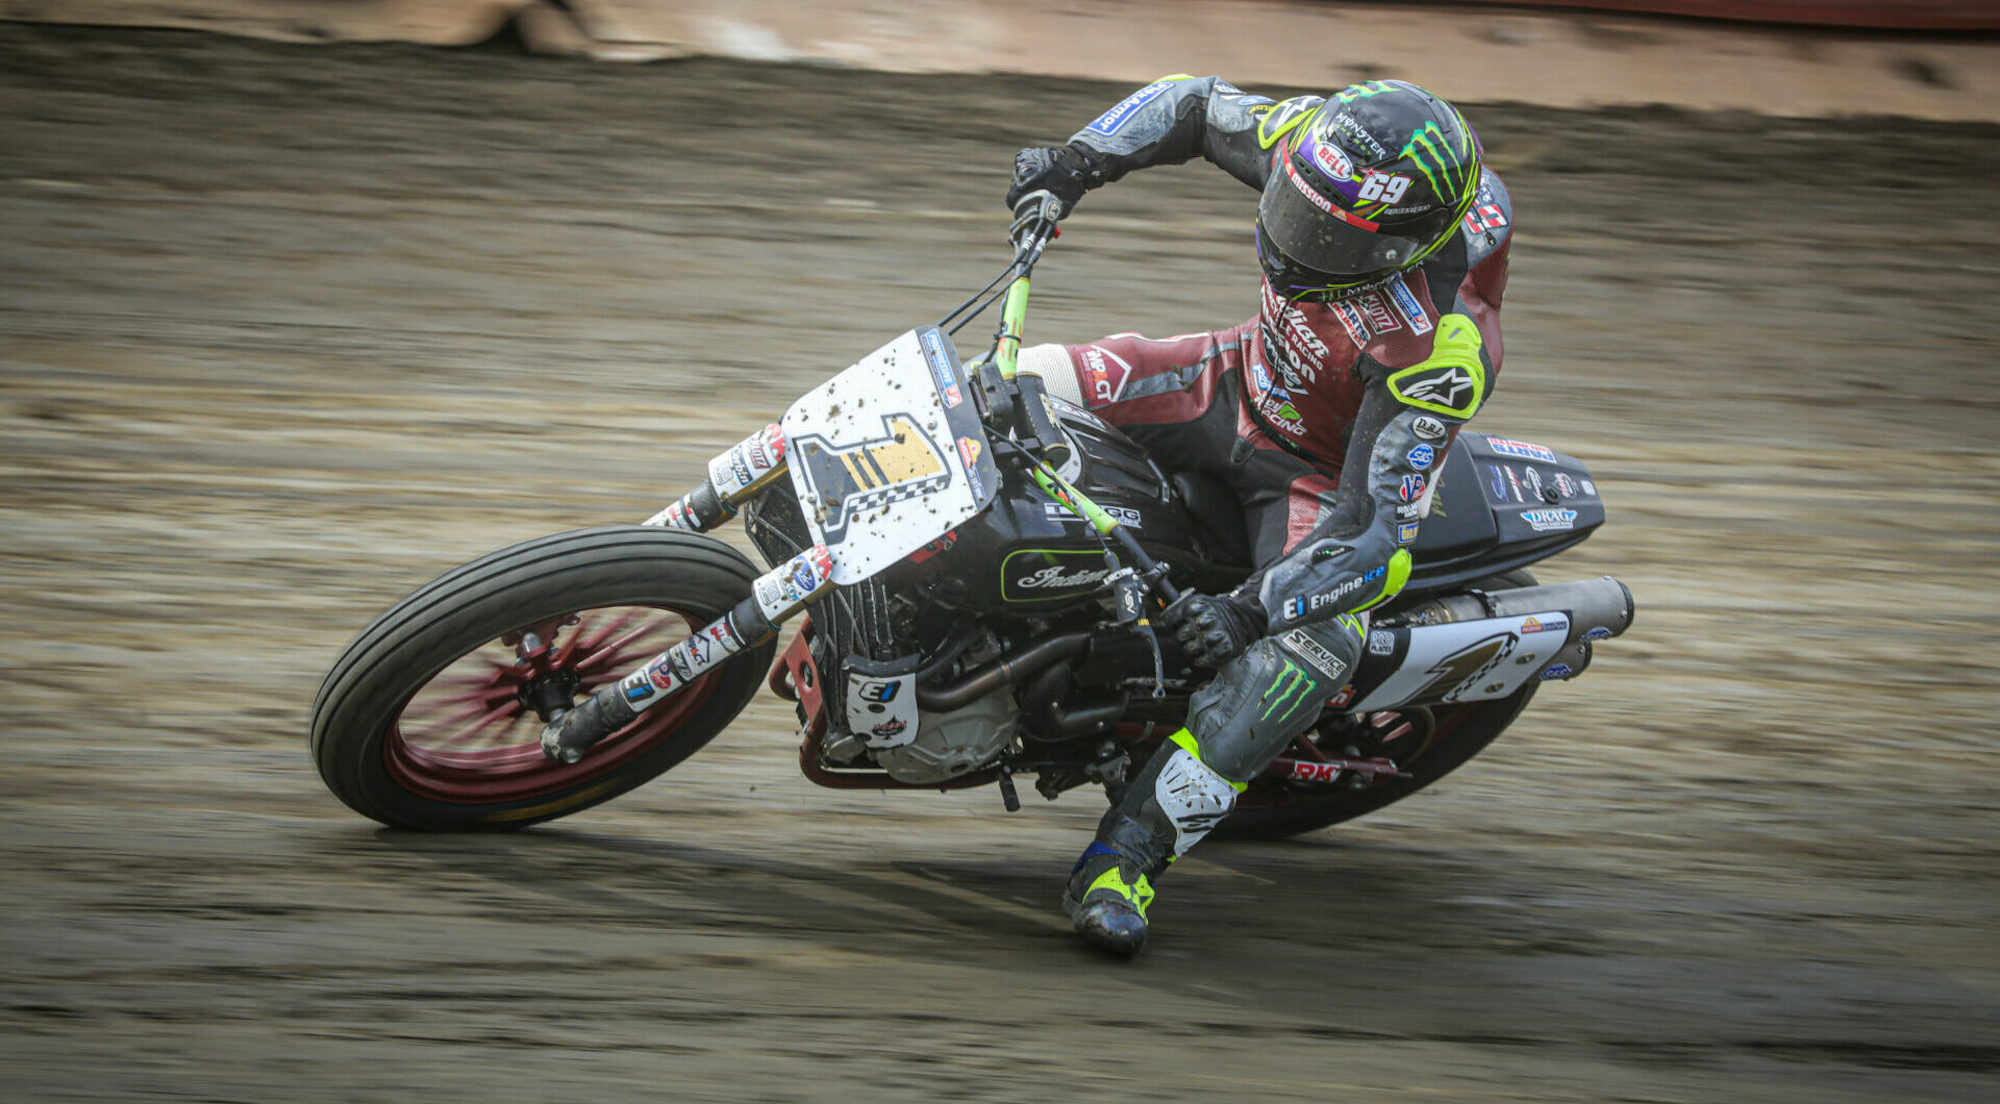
point(1373, 182)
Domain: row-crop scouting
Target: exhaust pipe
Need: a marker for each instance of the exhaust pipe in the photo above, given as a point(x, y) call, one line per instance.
point(1483, 645)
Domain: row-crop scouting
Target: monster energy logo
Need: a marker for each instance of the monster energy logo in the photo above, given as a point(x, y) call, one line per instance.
point(1426, 151)
point(1290, 689)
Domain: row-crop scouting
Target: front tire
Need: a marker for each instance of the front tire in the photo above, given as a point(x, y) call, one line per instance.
point(427, 721)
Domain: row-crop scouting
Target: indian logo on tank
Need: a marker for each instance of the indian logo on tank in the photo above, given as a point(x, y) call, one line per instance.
point(850, 479)
point(1040, 575)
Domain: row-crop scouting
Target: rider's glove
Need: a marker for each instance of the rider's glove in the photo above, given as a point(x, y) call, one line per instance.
point(1213, 628)
point(1061, 171)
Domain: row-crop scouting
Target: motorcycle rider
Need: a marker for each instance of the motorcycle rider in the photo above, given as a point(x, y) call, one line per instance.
point(1383, 242)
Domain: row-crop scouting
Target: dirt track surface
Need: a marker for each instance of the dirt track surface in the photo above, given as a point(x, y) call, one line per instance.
point(284, 332)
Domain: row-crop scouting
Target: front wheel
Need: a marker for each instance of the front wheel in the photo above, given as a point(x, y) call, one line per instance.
point(432, 718)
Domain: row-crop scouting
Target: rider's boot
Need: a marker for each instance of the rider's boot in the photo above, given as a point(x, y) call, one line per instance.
point(1237, 725)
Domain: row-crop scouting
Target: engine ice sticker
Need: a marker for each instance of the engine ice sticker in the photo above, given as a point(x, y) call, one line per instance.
point(882, 711)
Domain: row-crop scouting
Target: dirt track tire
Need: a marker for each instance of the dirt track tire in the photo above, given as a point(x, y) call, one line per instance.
point(1271, 809)
point(636, 585)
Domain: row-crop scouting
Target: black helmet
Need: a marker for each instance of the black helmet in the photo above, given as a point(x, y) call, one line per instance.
point(1371, 184)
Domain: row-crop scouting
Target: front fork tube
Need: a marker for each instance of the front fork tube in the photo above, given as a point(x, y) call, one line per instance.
point(733, 477)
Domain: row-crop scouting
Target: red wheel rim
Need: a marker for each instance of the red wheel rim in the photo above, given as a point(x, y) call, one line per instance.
point(465, 736)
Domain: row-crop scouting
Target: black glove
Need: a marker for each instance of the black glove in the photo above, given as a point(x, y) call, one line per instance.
point(1061, 171)
point(1213, 628)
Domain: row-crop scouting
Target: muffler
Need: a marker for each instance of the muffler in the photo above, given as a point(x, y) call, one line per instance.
point(1486, 644)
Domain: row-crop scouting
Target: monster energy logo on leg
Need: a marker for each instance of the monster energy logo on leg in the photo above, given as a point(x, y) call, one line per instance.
point(1290, 690)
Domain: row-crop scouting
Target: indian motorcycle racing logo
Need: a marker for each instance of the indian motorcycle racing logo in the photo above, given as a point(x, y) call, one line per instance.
point(852, 479)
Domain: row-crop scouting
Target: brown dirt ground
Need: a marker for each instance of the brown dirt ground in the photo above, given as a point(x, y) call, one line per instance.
point(285, 331)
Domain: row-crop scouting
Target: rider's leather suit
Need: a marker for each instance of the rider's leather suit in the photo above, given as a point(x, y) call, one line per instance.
point(1328, 420)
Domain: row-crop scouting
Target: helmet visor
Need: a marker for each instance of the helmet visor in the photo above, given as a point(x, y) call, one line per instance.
point(1328, 245)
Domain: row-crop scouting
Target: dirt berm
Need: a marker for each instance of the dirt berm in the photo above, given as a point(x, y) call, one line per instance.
point(285, 331)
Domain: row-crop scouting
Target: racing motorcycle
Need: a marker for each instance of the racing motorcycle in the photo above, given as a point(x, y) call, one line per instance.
point(973, 568)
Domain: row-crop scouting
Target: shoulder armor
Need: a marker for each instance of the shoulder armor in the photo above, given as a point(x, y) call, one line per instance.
point(1281, 118)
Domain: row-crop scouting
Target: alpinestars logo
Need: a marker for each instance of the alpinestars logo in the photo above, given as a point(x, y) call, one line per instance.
point(903, 463)
point(1446, 389)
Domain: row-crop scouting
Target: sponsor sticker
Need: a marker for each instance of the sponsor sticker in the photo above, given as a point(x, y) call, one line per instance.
point(969, 450)
point(1351, 321)
point(1497, 481)
point(1412, 488)
point(1299, 606)
point(1427, 427)
point(940, 362)
point(1406, 532)
point(1556, 671)
point(1344, 698)
point(1565, 486)
point(1406, 301)
point(1421, 457)
point(1589, 488)
point(1521, 449)
point(1104, 376)
point(1543, 521)
point(935, 548)
point(1112, 121)
point(1535, 625)
point(1514, 483)
point(1315, 654)
point(1328, 159)
point(1381, 642)
point(1380, 319)
point(1533, 478)
point(1598, 633)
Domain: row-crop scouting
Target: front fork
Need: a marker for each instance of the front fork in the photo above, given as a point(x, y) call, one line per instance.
point(734, 477)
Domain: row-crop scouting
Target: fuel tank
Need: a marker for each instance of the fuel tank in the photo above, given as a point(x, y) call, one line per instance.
point(1027, 555)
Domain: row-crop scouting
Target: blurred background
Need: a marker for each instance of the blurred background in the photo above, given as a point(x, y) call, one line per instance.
point(302, 303)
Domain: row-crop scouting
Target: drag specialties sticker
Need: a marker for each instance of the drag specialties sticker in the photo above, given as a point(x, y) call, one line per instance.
point(1544, 521)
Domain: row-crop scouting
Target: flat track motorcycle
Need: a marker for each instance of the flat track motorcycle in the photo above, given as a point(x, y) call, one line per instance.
point(977, 564)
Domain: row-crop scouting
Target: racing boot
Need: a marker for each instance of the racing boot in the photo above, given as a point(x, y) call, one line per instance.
point(1172, 803)
point(1240, 722)
point(1106, 900)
